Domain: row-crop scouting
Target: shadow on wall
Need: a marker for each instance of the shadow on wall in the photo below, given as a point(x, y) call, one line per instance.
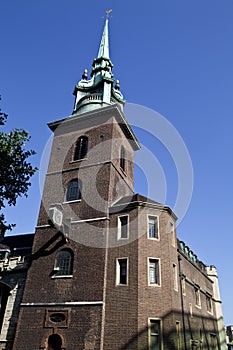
point(200, 332)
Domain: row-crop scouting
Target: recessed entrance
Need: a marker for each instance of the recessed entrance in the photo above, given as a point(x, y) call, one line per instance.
point(54, 342)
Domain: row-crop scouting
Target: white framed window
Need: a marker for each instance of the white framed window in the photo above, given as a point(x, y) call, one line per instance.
point(178, 334)
point(201, 339)
point(175, 277)
point(209, 303)
point(153, 227)
point(123, 227)
point(197, 297)
point(154, 272)
point(154, 334)
point(183, 284)
point(122, 271)
point(190, 310)
point(173, 234)
point(213, 341)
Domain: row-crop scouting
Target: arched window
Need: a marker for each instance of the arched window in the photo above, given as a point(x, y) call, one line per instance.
point(63, 263)
point(73, 190)
point(122, 158)
point(54, 342)
point(81, 147)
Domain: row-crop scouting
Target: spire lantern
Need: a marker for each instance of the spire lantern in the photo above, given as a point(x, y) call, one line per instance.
point(99, 90)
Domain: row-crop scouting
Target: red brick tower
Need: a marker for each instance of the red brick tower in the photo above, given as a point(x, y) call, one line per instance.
point(91, 166)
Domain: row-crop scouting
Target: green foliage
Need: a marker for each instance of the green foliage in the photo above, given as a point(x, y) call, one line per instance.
point(15, 169)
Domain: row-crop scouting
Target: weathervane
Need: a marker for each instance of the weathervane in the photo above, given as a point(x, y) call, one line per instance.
point(107, 12)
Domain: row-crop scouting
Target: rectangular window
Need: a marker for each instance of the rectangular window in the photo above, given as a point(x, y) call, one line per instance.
point(122, 271)
point(154, 278)
point(123, 227)
point(173, 234)
point(213, 341)
point(201, 339)
point(122, 159)
point(154, 334)
point(209, 303)
point(178, 334)
point(197, 297)
point(153, 231)
point(175, 276)
point(190, 310)
point(183, 283)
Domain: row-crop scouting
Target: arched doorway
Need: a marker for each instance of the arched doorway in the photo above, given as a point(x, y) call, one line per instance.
point(54, 342)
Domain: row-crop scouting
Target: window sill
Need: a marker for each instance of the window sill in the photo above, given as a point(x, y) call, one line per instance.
point(153, 238)
point(74, 201)
point(62, 276)
point(78, 160)
point(154, 285)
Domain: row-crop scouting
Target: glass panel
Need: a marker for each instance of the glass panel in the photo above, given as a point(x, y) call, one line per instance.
point(124, 226)
point(154, 335)
point(154, 327)
point(153, 272)
point(73, 191)
point(123, 271)
point(57, 317)
point(122, 159)
point(154, 342)
point(63, 264)
point(209, 303)
point(153, 227)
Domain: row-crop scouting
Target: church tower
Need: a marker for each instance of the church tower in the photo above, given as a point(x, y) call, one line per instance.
point(107, 271)
point(91, 166)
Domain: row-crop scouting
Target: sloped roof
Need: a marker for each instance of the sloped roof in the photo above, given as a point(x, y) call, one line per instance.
point(135, 198)
point(129, 202)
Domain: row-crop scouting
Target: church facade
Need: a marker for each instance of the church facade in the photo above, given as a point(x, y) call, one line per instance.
point(107, 270)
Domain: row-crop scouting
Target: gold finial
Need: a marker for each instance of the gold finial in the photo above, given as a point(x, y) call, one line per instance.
point(107, 12)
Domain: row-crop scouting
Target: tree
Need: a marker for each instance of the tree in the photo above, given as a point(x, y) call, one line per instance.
point(15, 169)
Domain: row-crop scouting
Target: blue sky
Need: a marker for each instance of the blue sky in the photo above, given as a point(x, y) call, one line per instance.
point(172, 56)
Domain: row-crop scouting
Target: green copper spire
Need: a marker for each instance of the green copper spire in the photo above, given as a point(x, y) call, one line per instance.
point(104, 45)
point(99, 90)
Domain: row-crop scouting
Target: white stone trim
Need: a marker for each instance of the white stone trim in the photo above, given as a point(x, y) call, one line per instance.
point(87, 220)
point(67, 303)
